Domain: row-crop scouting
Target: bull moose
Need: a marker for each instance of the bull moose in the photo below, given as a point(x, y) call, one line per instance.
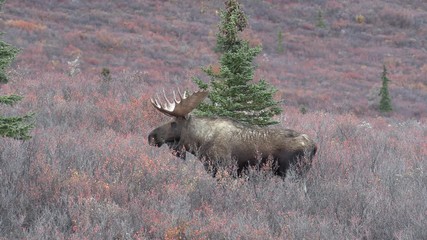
point(218, 141)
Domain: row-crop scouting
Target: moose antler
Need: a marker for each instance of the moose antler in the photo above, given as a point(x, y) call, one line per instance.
point(181, 104)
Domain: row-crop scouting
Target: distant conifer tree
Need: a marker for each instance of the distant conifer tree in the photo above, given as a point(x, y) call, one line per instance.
point(385, 102)
point(106, 74)
point(231, 93)
point(320, 20)
point(280, 48)
point(13, 127)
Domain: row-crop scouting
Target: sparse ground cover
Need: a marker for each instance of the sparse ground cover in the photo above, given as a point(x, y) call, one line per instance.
point(89, 173)
point(335, 67)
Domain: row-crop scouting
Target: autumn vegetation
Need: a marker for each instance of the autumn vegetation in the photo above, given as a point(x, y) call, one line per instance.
point(88, 172)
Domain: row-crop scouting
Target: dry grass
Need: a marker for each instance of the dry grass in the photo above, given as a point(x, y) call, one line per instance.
point(88, 173)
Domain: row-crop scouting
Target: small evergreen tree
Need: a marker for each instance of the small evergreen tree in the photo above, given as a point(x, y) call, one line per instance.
point(7, 54)
point(280, 48)
point(320, 20)
point(385, 102)
point(106, 74)
point(14, 127)
point(231, 95)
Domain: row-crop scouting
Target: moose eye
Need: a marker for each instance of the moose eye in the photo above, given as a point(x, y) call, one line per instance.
point(173, 124)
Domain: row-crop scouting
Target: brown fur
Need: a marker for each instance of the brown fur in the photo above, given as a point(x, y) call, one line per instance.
point(220, 141)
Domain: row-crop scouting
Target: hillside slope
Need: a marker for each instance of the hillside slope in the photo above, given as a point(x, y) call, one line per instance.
point(335, 67)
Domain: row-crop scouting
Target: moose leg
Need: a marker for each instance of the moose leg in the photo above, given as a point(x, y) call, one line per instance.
point(210, 168)
point(181, 154)
point(284, 162)
point(178, 150)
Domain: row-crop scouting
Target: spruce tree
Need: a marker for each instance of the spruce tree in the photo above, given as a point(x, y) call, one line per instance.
point(232, 94)
point(385, 102)
point(17, 127)
point(280, 48)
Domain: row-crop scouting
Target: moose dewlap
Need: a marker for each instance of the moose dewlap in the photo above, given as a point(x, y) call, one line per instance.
point(223, 142)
